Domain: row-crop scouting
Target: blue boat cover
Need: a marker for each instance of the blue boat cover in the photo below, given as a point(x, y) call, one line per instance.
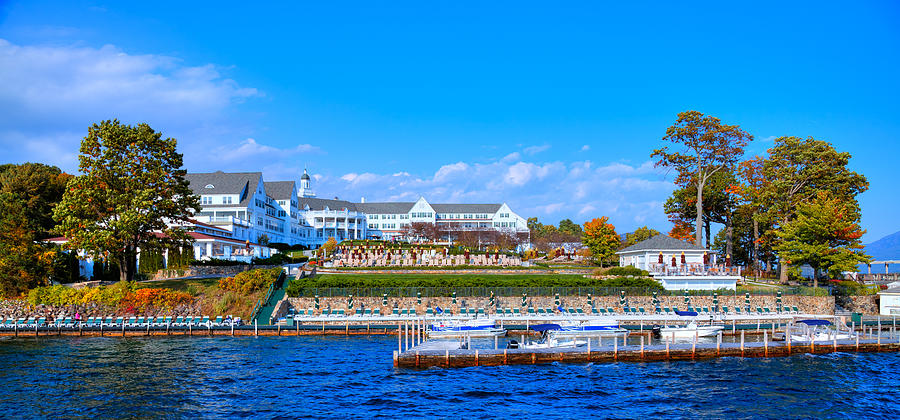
point(814, 322)
point(686, 313)
point(545, 327)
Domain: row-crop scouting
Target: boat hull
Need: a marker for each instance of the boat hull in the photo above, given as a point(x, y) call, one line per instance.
point(709, 331)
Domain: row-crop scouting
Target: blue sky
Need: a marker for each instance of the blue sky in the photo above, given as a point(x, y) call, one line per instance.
point(553, 110)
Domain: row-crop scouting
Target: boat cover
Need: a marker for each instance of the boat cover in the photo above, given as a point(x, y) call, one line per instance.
point(686, 313)
point(545, 327)
point(813, 322)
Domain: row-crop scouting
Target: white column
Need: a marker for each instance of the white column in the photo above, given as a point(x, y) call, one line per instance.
point(198, 252)
point(209, 249)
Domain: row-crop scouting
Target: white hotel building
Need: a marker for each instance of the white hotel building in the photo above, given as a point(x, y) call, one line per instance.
point(248, 207)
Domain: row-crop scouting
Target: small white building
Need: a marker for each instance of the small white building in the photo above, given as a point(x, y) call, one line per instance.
point(889, 301)
point(679, 265)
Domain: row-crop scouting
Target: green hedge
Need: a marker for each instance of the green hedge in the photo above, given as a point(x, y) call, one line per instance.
point(627, 271)
point(298, 287)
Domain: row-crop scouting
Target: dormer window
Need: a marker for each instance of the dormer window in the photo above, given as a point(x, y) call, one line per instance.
point(209, 186)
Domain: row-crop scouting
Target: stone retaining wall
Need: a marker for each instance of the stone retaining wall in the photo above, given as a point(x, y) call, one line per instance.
point(207, 271)
point(808, 304)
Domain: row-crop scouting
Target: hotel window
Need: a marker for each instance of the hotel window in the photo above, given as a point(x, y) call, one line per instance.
point(226, 199)
point(205, 200)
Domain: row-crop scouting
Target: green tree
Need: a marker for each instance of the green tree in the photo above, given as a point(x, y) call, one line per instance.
point(24, 263)
point(39, 188)
point(131, 188)
point(708, 147)
point(569, 227)
point(640, 234)
point(824, 234)
point(601, 238)
point(795, 172)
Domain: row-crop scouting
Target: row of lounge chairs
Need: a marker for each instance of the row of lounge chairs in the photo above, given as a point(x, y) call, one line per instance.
point(119, 322)
point(532, 311)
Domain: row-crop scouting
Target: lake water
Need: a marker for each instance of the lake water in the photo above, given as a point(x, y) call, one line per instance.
point(224, 377)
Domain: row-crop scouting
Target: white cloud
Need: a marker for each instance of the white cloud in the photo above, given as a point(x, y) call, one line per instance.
point(631, 195)
point(512, 157)
point(585, 148)
point(53, 91)
point(532, 150)
point(250, 149)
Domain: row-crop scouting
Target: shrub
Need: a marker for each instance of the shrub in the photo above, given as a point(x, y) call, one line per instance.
point(143, 299)
point(215, 262)
point(250, 281)
point(627, 271)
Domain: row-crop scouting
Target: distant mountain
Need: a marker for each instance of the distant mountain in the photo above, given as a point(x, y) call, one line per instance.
point(887, 248)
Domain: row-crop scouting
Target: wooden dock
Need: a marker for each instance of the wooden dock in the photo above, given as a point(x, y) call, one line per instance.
point(421, 359)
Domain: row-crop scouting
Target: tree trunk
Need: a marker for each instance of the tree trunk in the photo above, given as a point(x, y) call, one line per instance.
point(708, 227)
point(127, 264)
point(783, 275)
point(729, 233)
point(698, 237)
point(756, 246)
point(815, 277)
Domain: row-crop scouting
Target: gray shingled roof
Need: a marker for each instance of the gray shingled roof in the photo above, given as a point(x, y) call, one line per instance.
point(280, 190)
point(224, 183)
point(321, 203)
point(466, 208)
point(384, 208)
point(662, 243)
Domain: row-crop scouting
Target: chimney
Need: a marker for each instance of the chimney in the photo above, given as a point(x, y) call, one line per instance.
point(362, 199)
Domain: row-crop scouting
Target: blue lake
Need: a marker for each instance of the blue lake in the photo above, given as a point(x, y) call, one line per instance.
point(224, 377)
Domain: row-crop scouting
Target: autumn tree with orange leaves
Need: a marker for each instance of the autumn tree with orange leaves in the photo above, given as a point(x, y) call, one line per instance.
point(825, 234)
point(601, 238)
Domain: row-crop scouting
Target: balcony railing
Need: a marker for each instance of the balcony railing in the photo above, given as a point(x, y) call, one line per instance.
point(694, 270)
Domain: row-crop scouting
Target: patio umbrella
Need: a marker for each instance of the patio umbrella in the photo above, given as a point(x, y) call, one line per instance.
point(655, 300)
point(492, 299)
point(350, 302)
point(590, 301)
point(683, 260)
point(418, 298)
point(661, 258)
point(384, 299)
point(687, 300)
point(728, 260)
point(454, 298)
point(778, 300)
point(705, 259)
point(747, 300)
point(317, 302)
point(622, 298)
point(524, 299)
point(673, 261)
point(716, 301)
point(556, 299)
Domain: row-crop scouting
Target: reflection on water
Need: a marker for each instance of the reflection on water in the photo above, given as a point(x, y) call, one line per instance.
point(339, 376)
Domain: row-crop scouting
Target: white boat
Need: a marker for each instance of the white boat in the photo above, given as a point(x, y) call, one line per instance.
point(814, 330)
point(467, 328)
point(690, 329)
point(552, 339)
point(590, 328)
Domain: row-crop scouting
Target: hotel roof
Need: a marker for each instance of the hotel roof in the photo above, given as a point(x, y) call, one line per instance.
point(280, 190)
point(224, 183)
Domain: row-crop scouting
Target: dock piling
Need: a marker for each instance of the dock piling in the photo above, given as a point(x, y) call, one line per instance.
point(766, 342)
point(742, 343)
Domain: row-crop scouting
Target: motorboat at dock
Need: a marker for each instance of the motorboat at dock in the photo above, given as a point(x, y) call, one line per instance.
point(814, 330)
point(551, 338)
point(690, 329)
point(465, 328)
point(590, 328)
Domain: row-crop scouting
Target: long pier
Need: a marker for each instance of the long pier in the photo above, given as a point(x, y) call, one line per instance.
point(421, 359)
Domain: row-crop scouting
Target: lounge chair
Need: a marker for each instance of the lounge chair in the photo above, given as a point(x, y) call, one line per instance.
point(737, 310)
point(168, 320)
point(41, 321)
point(472, 311)
point(594, 311)
point(579, 311)
point(179, 321)
point(376, 312)
point(641, 310)
point(340, 312)
point(368, 312)
point(610, 310)
point(404, 312)
point(396, 312)
point(480, 311)
point(796, 309)
point(218, 321)
point(531, 311)
point(540, 311)
point(140, 321)
point(517, 311)
point(667, 310)
point(412, 312)
point(759, 310)
point(766, 310)
point(571, 311)
point(601, 311)
point(725, 310)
